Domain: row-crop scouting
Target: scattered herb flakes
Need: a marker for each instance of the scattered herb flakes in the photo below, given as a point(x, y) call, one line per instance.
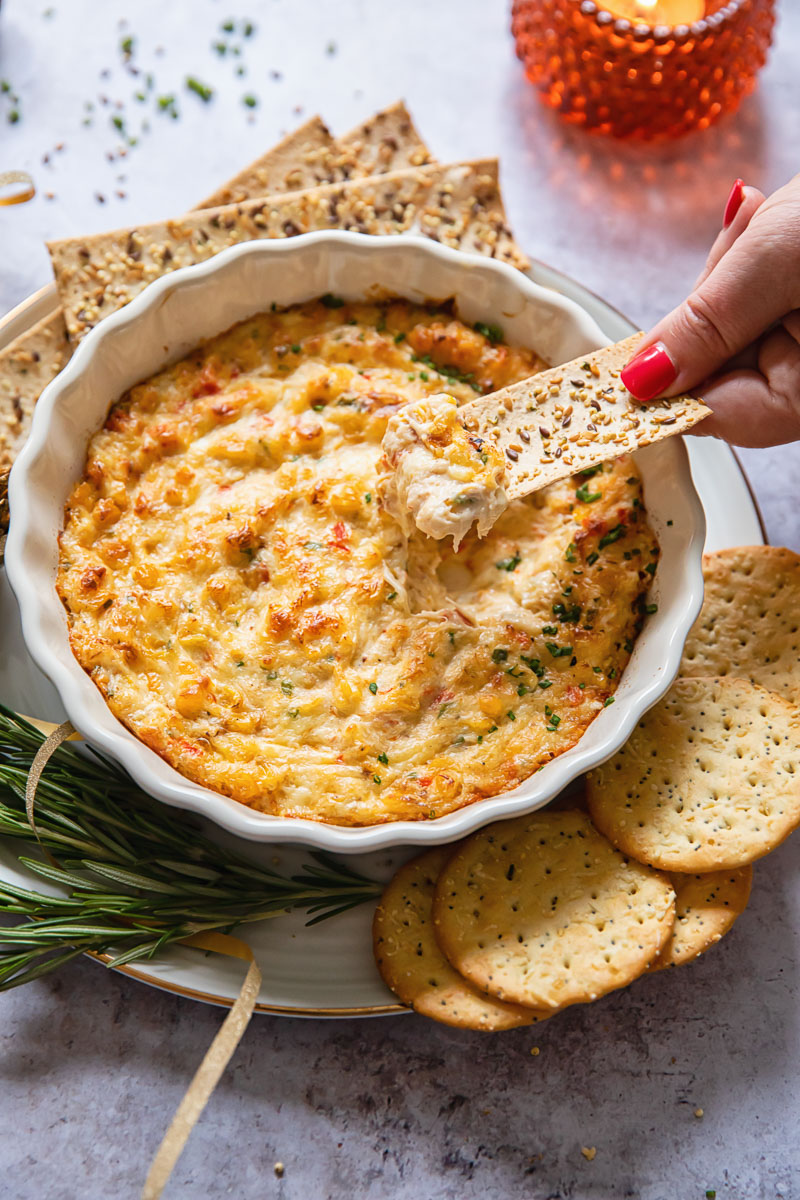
point(373, 687)
point(592, 558)
point(595, 470)
point(203, 90)
point(613, 535)
point(499, 655)
point(383, 758)
point(586, 496)
point(570, 554)
point(401, 337)
point(558, 651)
point(512, 716)
point(331, 48)
point(168, 104)
point(331, 301)
point(286, 687)
point(250, 101)
point(607, 701)
point(492, 333)
point(509, 564)
point(376, 779)
point(127, 45)
point(651, 608)
point(392, 596)
point(534, 664)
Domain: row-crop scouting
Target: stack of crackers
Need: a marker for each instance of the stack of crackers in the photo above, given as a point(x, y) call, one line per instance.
point(379, 178)
point(532, 915)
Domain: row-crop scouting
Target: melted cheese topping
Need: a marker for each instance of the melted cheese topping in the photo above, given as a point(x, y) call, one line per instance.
point(437, 476)
point(251, 611)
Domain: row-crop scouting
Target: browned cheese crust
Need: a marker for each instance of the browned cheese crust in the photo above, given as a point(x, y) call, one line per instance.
point(248, 609)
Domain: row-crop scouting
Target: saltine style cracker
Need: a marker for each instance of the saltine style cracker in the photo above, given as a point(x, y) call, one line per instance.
point(458, 205)
point(749, 625)
point(412, 965)
point(542, 910)
point(388, 141)
point(706, 907)
point(709, 780)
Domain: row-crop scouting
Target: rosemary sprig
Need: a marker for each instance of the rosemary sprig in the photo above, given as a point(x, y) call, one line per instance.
point(136, 876)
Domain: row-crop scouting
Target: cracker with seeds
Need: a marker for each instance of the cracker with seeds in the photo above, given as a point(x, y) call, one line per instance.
point(412, 965)
point(310, 156)
point(388, 141)
point(709, 780)
point(27, 365)
point(543, 911)
point(306, 157)
point(458, 205)
point(706, 907)
point(749, 625)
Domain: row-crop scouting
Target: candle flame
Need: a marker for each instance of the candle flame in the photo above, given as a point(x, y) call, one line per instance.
point(659, 12)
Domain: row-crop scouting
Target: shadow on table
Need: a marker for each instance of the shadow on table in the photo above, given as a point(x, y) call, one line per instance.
point(684, 183)
point(403, 1107)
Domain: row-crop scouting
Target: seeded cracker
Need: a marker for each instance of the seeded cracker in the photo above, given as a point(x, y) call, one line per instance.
point(706, 907)
point(749, 625)
point(388, 141)
point(708, 780)
point(458, 205)
point(413, 966)
point(310, 156)
point(543, 911)
point(26, 367)
point(572, 417)
point(304, 158)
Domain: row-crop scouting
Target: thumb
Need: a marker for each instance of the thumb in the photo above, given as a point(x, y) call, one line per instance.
point(754, 284)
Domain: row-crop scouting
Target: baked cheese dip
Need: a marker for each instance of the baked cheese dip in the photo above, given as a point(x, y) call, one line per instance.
point(251, 611)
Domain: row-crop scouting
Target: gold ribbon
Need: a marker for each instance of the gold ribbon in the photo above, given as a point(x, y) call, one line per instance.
point(231, 1031)
point(43, 755)
point(216, 1059)
point(25, 190)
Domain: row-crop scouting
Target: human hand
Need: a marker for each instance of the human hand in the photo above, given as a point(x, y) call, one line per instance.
point(740, 327)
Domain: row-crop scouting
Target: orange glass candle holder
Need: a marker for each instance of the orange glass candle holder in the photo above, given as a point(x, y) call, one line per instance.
point(638, 80)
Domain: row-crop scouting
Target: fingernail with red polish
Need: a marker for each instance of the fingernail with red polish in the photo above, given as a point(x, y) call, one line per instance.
point(734, 203)
point(649, 373)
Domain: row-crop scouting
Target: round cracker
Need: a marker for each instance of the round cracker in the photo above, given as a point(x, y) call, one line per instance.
point(749, 625)
point(413, 966)
point(709, 779)
point(706, 906)
point(544, 911)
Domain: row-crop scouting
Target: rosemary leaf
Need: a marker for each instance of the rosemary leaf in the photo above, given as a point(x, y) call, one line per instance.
point(137, 875)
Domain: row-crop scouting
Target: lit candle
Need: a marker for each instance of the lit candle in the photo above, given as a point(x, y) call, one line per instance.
point(659, 12)
point(643, 69)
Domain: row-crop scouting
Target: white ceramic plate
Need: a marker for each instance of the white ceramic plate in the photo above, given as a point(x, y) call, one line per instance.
point(328, 971)
point(165, 322)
